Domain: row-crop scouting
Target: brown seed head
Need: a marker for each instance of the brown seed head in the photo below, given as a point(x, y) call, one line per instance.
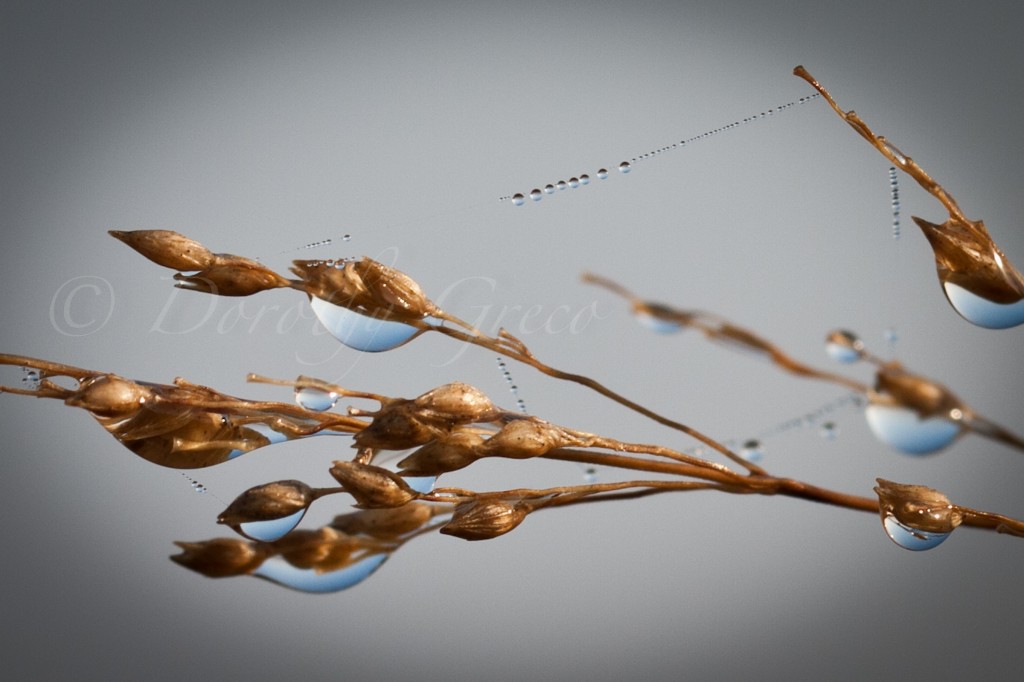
point(367, 287)
point(324, 549)
point(232, 276)
point(267, 502)
point(109, 395)
point(385, 524)
point(167, 248)
point(485, 519)
point(221, 557)
point(524, 438)
point(917, 506)
point(966, 256)
point(455, 403)
point(924, 396)
point(448, 453)
point(395, 426)
point(373, 487)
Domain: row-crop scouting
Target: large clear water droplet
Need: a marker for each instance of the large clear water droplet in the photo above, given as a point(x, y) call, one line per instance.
point(277, 570)
point(584, 179)
point(904, 430)
point(844, 346)
point(911, 538)
point(535, 194)
point(981, 311)
point(359, 331)
point(624, 167)
point(549, 189)
point(518, 199)
point(315, 399)
point(274, 529)
point(602, 174)
point(574, 182)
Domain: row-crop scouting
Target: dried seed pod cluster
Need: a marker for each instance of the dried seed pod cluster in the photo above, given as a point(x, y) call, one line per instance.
point(222, 274)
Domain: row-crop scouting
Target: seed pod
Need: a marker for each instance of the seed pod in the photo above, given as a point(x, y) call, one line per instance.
point(452, 452)
point(525, 438)
point(221, 557)
point(385, 524)
point(395, 427)
point(917, 506)
point(324, 549)
point(233, 276)
point(925, 397)
point(485, 519)
point(109, 395)
point(373, 487)
point(366, 286)
point(167, 248)
point(966, 256)
point(268, 502)
point(456, 403)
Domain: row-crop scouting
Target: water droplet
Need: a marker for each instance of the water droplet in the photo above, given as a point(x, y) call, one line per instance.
point(911, 538)
point(894, 190)
point(829, 431)
point(277, 570)
point(30, 378)
point(518, 199)
point(315, 399)
point(890, 335)
point(346, 238)
point(273, 529)
point(752, 451)
point(535, 194)
point(981, 311)
point(624, 167)
point(657, 324)
point(421, 484)
point(904, 430)
point(602, 174)
point(549, 189)
point(574, 182)
point(562, 184)
point(590, 475)
point(843, 346)
point(584, 179)
point(359, 331)
point(196, 485)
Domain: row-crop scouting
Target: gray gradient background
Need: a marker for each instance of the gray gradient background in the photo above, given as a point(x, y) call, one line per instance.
point(259, 127)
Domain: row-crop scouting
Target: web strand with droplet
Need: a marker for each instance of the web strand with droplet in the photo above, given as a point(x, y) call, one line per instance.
point(536, 194)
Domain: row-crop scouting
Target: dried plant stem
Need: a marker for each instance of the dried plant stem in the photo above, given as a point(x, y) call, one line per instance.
point(512, 347)
point(720, 330)
point(888, 150)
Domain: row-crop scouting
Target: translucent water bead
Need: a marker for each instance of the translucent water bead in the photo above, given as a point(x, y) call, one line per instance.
point(844, 346)
point(277, 570)
point(981, 311)
point(903, 429)
point(273, 529)
point(362, 332)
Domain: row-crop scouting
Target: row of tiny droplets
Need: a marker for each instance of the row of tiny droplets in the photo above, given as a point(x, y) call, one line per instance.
point(536, 194)
point(894, 189)
point(752, 449)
